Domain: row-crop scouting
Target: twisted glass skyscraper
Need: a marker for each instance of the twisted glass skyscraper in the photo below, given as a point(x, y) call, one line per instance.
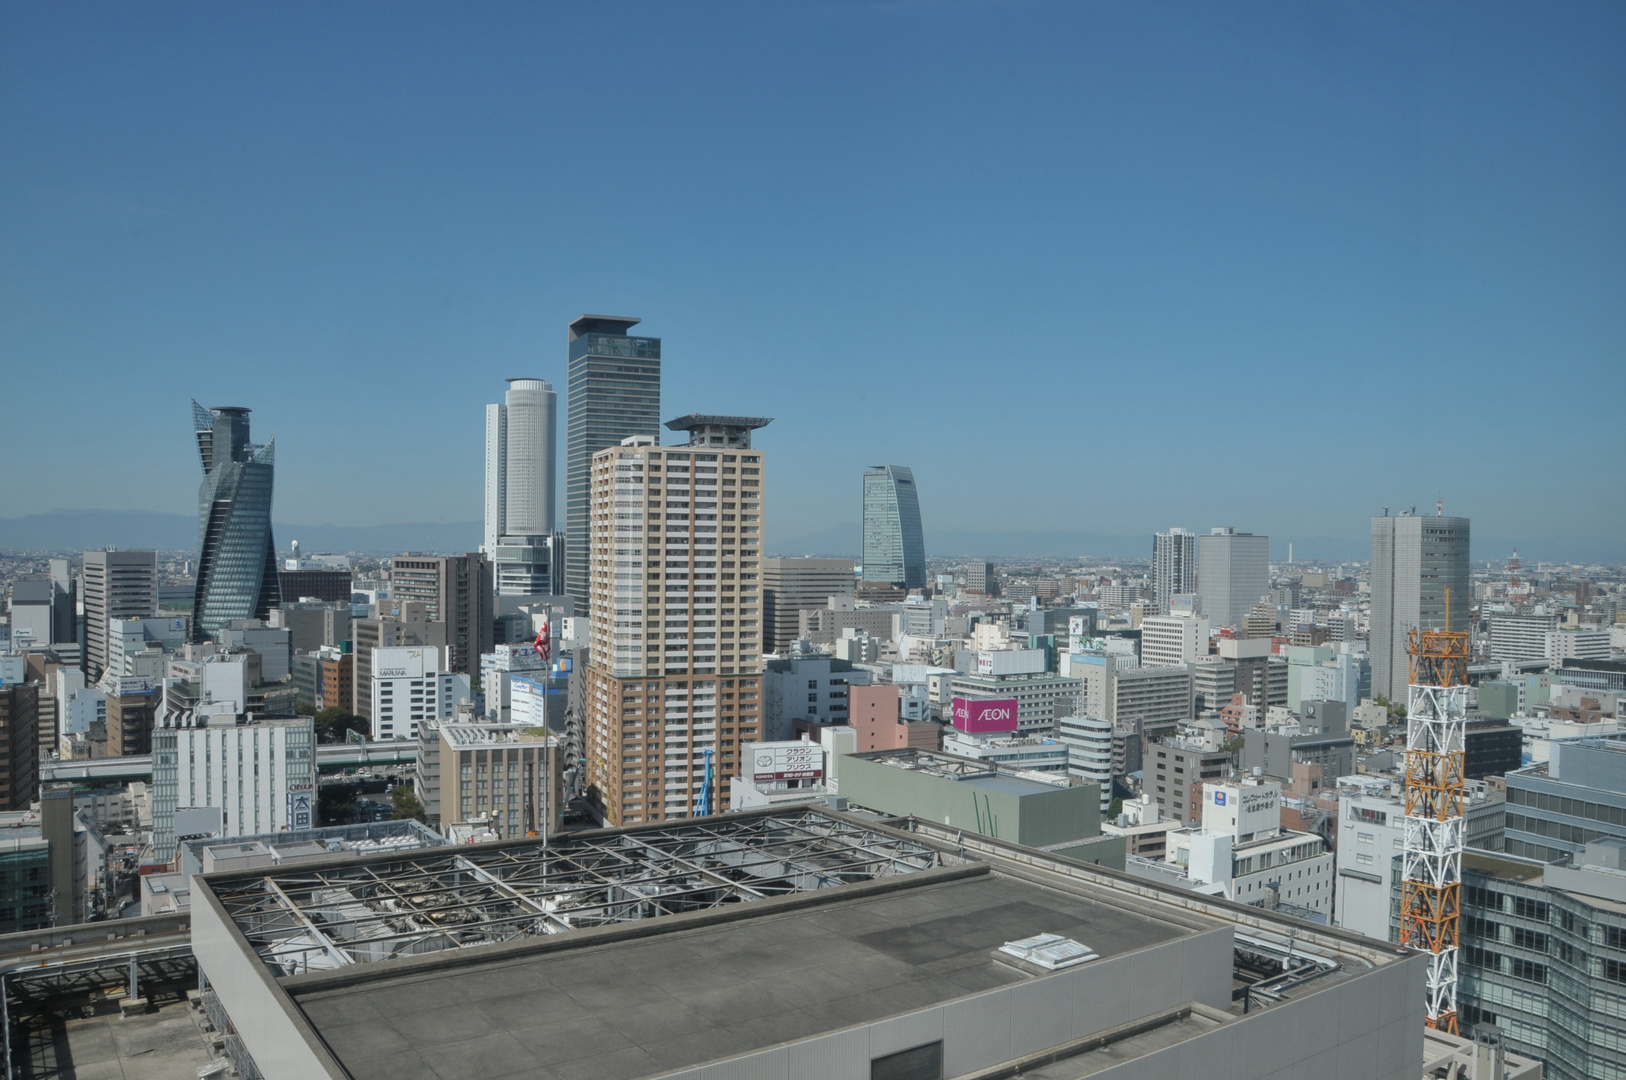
point(237, 561)
point(894, 547)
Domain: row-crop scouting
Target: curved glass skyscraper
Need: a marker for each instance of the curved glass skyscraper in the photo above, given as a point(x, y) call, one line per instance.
point(237, 562)
point(894, 547)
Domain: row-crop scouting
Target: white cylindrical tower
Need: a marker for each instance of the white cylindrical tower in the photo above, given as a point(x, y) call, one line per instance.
point(532, 410)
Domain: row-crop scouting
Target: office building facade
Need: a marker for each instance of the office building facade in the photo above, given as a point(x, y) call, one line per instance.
point(813, 689)
point(894, 546)
point(410, 688)
point(1174, 772)
point(237, 560)
point(43, 609)
point(980, 578)
point(1415, 560)
point(1174, 566)
point(1156, 698)
point(1041, 698)
point(330, 586)
point(509, 779)
point(613, 392)
point(1520, 637)
point(1166, 640)
point(118, 585)
point(675, 666)
point(1371, 835)
point(1574, 798)
point(261, 776)
point(455, 590)
point(791, 586)
point(1233, 572)
point(1543, 958)
point(19, 745)
point(1089, 752)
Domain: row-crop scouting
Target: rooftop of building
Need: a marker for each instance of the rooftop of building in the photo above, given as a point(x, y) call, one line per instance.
point(1007, 680)
point(681, 999)
point(352, 840)
point(1503, 867)
point(601, 324)
point(473, 735)
point(702, 420)
point(651, 949)
point(966, 770)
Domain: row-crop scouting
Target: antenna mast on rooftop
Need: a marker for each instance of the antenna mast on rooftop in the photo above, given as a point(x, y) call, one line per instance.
point(1431, 894)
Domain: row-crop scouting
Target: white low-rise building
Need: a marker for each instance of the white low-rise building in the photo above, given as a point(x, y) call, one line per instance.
point(1089, 752)
point(1035, 752)
point(1144, 828)
point(411, 686)
point(260, 776)
point(787, 773)
point(1241, 852)
point(1371, 832)
point(496, 668)
point(1170, 640)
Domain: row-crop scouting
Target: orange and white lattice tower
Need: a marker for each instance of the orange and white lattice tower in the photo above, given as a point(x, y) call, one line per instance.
point(1431, 894)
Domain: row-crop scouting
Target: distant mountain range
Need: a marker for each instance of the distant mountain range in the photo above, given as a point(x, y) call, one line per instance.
point(71, 530)
point(80, 530)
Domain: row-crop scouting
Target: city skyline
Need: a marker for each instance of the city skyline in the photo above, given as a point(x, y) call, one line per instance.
point(1166, 201)
point(1032, 499)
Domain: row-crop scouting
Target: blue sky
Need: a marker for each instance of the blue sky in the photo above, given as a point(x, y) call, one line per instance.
point(1102, 267)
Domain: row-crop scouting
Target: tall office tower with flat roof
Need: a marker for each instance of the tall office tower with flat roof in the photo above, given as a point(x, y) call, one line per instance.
point(613, 392)
point(792, 586)
point(455, 590)
point(675, 666)
point(1174, 566)
point(237, 559)
point(1415, 559)
point(894, 547)
point(1233, 572)
point(118, 585)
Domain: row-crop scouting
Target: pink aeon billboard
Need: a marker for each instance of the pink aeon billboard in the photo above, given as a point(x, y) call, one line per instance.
point(976, 717)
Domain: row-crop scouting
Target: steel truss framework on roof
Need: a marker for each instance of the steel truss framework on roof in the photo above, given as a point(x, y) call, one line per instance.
point(458, 897)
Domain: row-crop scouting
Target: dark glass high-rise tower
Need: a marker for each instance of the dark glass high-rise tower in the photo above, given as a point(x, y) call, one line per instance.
point(237, 562)
point(1414, 561)
point(613, 391)
point(894, 546)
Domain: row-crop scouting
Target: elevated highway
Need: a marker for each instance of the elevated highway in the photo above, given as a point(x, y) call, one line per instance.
point(139, 766)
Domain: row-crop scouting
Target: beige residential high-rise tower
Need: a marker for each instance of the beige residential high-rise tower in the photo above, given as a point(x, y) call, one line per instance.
point(676, 633)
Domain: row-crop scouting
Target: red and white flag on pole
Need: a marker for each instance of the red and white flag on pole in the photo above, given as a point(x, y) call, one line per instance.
point(544, 643)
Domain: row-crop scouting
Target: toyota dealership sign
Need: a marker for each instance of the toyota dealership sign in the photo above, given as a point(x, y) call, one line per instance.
point(976, 717)
point(787, 761)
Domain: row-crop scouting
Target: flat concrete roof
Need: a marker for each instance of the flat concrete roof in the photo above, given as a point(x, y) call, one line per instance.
point(1013, 785)
point(662, 1002)
point(846, 922)
point(157, 1045)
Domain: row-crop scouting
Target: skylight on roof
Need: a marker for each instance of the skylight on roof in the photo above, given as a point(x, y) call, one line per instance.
point(1049, 951)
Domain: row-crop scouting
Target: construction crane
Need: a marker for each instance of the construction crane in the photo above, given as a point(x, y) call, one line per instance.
point(1431, 893)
